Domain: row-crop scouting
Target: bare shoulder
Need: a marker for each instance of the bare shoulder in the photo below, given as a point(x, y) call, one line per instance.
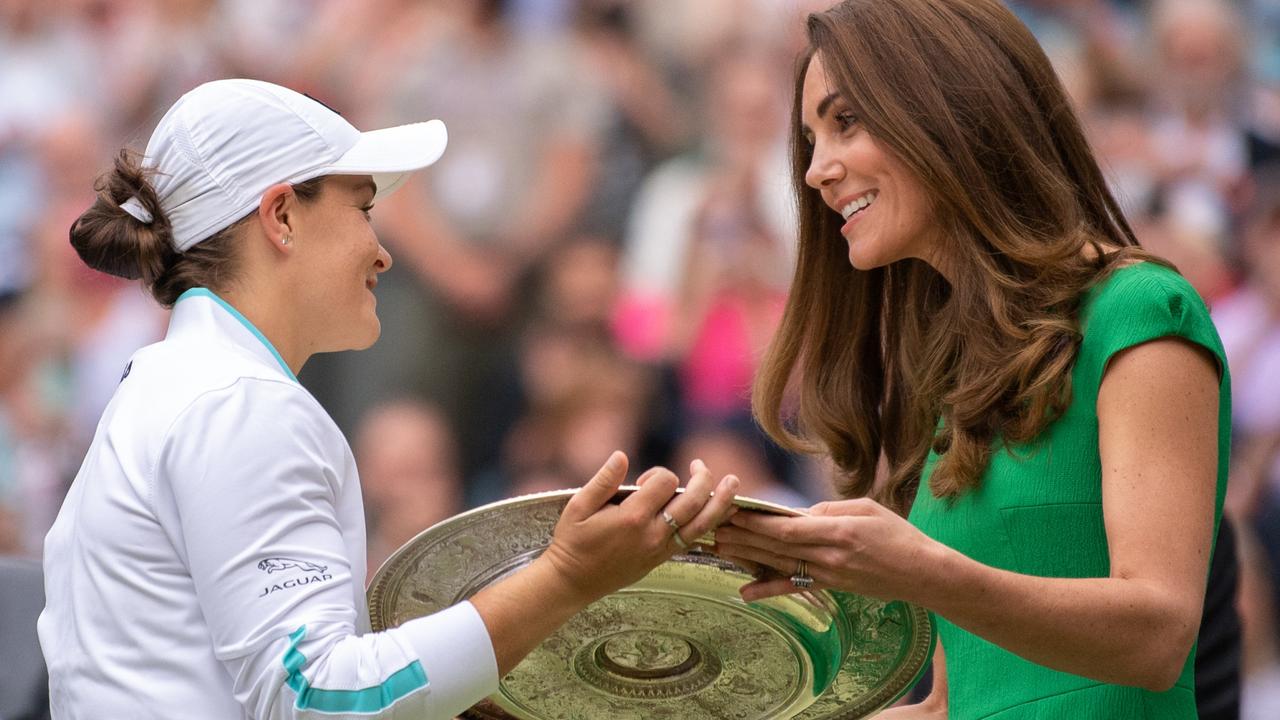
point(1163, 362)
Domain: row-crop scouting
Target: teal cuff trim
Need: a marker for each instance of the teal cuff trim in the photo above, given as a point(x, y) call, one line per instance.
point(206, 292)
point(404, 681)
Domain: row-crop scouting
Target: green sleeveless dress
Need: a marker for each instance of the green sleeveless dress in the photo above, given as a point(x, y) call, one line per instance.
point(1038, 511)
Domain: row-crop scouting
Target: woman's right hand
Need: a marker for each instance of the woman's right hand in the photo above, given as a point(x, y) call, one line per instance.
point(599, 546)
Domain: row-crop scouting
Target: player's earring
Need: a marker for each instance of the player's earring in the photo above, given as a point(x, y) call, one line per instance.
point(286, 239)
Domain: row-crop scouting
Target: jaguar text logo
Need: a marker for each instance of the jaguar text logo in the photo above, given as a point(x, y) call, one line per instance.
point(312, 573)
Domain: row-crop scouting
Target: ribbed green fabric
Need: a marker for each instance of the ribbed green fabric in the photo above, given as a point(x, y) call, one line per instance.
point(1038, 511)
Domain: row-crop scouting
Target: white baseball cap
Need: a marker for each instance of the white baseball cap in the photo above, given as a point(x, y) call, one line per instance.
point(220, 146)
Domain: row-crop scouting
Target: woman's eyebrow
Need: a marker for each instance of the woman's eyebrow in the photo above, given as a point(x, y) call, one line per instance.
point(826, 104)
point(369, 185)
point(823, 106)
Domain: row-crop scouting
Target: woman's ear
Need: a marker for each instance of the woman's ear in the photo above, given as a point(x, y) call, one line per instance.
point(274, 212)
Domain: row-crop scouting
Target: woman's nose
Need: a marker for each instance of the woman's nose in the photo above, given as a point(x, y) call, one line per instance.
point(824, 169)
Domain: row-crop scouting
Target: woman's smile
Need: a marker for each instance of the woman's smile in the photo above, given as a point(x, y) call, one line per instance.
point(853, 208)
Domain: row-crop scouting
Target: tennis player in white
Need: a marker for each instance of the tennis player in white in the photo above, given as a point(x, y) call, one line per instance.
point(209, 557)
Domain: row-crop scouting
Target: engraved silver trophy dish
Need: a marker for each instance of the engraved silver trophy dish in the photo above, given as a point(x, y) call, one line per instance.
point(680, 643)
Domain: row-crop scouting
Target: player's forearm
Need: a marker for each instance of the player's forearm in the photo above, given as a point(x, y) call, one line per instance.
point(524, 609)
point(1117, 630)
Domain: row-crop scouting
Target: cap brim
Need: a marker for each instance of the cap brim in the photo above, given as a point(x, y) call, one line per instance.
point(390, 155)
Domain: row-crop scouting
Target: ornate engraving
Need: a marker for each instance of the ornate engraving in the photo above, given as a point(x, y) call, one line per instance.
point(668, 650)
point(646, 656)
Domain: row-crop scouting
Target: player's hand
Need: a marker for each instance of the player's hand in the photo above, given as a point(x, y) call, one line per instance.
point(598, 546)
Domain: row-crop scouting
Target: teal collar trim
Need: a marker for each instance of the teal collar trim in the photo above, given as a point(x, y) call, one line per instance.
point(405, 681)
point(205, 292)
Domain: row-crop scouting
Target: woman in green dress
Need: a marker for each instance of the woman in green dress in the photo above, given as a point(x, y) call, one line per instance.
point(1031, 413)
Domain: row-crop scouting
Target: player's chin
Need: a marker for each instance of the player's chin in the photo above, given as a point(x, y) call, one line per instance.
point(369, 334)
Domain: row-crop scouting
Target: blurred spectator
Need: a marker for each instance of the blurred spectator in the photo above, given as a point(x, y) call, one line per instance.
point(738, 448)
point(710, 245)
point(1249, 323)
point(41, 68)
point(731, 299)
point(515, 181)
point(407, 458)
point(1198, 137)
point(713, 218)
point(140, 55)
point(570, 394)
point(1089, 41)
point(583, 402)
point(1200, 96)
point(1264, 103)
point(580, 284)
point(33, 439)
point(690, 34)
point(573, 293)
point(645, 121)
point(561, 447)
point(253, 30)
point(350, 54)
point(1115, 117)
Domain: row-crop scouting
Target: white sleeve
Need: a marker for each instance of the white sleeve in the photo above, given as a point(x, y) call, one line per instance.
point(248, 485)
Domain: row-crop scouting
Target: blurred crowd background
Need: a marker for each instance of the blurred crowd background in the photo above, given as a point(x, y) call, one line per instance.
point(605, 248)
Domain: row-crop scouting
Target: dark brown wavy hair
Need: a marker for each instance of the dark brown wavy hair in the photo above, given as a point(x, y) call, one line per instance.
point(896, 360)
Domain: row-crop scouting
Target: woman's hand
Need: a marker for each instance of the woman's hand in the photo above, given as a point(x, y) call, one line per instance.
point(857, 546)
point(599, 547)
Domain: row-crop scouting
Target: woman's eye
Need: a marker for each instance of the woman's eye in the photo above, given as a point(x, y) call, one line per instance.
point(366, 211)
point(845, 119)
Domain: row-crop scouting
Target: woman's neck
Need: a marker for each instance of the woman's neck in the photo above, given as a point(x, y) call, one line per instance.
point(270, 316)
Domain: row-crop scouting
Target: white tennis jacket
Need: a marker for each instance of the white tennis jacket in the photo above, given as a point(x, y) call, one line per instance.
point(209, 559)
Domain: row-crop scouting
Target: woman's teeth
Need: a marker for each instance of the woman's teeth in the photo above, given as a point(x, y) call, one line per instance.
point(860, 204)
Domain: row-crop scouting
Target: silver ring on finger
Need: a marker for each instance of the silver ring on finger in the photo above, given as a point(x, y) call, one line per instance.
point(801, 580)
point(675, 530)
point(666, 518)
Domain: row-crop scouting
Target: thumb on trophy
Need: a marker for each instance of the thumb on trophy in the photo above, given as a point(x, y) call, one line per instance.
point(600, 489)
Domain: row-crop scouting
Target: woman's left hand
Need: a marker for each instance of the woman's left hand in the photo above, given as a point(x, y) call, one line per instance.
point(858, 546)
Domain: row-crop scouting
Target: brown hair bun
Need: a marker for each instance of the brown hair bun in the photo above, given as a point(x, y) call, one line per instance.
point(110, 240)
